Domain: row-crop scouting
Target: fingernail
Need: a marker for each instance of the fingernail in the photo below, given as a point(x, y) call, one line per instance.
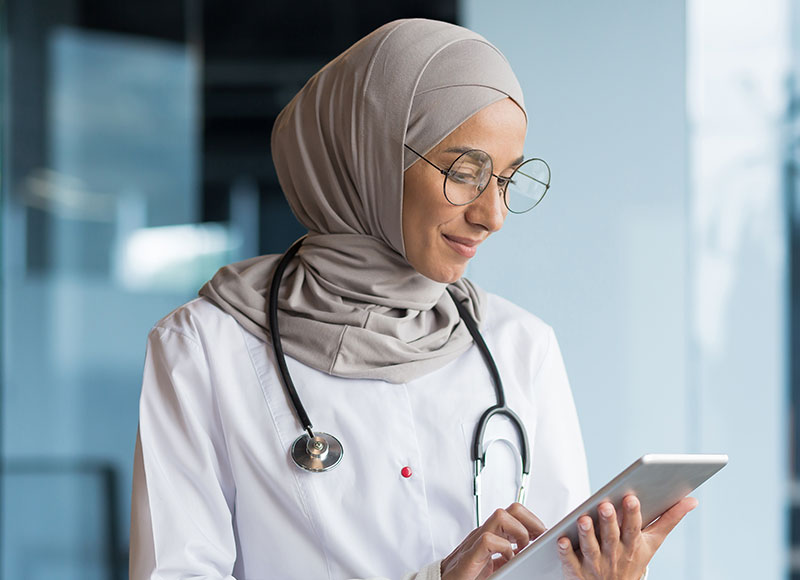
point(631, 502)
point(586, 525)
point(605, 510)
point(563, 544)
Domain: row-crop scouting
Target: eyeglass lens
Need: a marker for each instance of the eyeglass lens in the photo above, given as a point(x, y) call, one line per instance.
point(470, 173)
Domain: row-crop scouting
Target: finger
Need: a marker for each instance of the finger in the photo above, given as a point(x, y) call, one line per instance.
point(502, 523)
point(570, 563)
point(478, 557)
point(486, 546)
point(588, 540)
point(534, 525)
point(609, 528)
point(631, 520)
point(499, 562)
point(670, 518)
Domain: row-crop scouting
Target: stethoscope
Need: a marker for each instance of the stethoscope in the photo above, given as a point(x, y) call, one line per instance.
point(319, 451)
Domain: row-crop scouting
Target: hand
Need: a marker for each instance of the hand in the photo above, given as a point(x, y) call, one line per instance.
point(472, 559)
point(624, 548)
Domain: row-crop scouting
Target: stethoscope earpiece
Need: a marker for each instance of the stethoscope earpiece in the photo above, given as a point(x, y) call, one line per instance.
point(321, 453)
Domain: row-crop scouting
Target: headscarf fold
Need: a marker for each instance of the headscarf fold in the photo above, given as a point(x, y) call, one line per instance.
point(350, 304)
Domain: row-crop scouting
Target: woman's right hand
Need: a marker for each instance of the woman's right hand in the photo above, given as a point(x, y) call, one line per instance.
point(472, 559)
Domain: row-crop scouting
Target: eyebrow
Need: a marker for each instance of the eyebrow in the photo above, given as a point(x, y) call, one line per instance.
point(463, 149)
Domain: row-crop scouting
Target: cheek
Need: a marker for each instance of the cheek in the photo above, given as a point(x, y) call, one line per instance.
point(417, 193)
point(415, 228)
point(423, 213)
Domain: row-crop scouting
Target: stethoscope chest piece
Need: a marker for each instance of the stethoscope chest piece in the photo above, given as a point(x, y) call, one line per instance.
point(320, 453)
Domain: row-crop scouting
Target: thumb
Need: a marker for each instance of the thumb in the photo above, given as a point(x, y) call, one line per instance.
point(671, 518)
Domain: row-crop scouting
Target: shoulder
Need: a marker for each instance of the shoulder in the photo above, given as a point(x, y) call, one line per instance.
point(195, 321)
point(521, 339)
point(504, 317)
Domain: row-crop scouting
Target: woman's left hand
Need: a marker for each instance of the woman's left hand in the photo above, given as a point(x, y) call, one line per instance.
point(623, 549)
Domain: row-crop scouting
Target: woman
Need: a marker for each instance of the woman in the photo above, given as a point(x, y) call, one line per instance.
point(382, 357)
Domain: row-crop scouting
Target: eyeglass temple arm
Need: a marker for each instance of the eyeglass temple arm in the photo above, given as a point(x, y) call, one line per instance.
point(444, 172)
point(546, 185)
point(531, 177)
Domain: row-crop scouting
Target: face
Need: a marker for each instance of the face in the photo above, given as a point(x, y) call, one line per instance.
point(441, 238)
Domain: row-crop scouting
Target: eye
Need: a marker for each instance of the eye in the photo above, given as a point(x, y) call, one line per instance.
point(503, 182)
point(463, 177)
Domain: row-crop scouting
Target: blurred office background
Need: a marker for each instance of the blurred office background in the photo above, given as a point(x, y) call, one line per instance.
point(134, 162)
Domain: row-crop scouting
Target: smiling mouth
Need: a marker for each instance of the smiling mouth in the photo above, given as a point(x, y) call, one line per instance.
point(462, 246)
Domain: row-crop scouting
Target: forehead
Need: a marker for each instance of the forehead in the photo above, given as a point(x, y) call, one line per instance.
point(499, 129)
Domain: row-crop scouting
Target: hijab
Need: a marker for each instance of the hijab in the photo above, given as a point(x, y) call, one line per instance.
point(350, 304)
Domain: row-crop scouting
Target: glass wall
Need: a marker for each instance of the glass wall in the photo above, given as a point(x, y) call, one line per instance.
point(738, 68)
point(660, 253)
point(100, 239)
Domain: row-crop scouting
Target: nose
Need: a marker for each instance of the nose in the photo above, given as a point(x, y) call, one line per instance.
point(489, 210)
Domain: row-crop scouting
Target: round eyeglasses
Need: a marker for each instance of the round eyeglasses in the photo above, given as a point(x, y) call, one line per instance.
point(469, 175)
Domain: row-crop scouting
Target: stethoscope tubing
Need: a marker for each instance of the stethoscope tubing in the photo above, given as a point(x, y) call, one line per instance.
point(500, 408)
point(280, 358)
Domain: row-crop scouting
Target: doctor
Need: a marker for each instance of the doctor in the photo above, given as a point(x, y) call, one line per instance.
point(399, 157)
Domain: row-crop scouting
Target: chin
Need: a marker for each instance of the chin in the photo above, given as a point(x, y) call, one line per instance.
point(445, 275)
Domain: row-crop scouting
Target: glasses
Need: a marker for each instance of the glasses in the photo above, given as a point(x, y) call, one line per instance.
point(469, 175)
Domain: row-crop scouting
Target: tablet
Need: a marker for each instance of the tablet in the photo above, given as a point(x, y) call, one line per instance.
point(659, 481)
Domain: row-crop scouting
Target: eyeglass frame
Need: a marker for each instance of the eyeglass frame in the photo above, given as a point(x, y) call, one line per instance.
point(499, 178)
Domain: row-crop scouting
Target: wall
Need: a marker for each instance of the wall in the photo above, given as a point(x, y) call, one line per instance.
point(610, 260)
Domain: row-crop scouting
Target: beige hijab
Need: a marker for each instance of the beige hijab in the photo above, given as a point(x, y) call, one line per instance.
point(350, 305)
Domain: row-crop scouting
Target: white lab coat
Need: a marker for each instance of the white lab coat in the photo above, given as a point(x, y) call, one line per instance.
point(216, 495)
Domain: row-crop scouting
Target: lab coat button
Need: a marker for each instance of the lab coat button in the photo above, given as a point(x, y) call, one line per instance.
point(406, 471)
